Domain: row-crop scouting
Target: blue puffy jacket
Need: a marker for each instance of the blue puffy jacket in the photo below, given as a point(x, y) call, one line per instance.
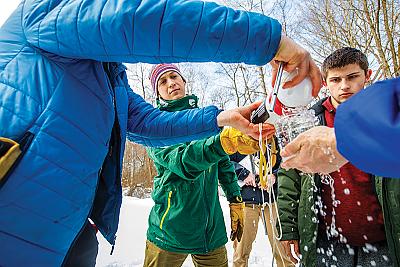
point(367, 128)
point(77, 109)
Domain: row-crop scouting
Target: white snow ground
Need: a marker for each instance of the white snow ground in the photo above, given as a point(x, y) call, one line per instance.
point(131, 238)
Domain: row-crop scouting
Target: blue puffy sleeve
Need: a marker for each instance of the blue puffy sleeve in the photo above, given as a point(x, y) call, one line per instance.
point(150, 31)
point(151, 127)
point(367, 128)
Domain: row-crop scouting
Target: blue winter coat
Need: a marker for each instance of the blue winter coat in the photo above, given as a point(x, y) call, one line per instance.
point(54, 85)
point(367, 128)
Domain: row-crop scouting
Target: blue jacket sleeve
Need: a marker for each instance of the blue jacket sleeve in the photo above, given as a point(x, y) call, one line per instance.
point(150, 31)
point(151, 127)
point(367, 128)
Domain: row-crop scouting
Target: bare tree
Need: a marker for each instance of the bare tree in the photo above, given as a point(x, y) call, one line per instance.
point(231, 72)
point(138, 76)
point(197, 81)
point(221, 98)
point(369, 25)
point(138, 169)
point(249, 83)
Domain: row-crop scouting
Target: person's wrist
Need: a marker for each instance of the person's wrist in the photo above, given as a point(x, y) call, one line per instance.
point(336, 156)
point(223, 118)
point(281, 46)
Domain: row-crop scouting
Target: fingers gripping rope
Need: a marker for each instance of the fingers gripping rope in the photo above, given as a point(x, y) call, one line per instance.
point(265, 171)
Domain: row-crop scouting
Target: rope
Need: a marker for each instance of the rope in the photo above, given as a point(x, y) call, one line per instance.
point(265, 172)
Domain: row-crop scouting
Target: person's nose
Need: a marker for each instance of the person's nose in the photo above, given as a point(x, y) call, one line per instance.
point(344, 85)
point(171, 83)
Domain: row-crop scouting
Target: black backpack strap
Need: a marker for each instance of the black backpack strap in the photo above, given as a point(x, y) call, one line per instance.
point(319, 110)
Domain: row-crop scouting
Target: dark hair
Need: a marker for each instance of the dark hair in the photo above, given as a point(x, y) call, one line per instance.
point(343, 57)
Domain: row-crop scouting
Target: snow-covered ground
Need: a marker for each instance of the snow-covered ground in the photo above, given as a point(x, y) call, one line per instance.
point(131, 238)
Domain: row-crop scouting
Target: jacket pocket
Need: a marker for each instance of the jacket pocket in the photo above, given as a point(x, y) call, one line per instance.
point(167, 210)
point(11, 153)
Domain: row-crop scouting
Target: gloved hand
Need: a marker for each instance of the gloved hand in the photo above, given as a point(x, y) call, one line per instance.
point(233, 140)
point(237, 223)
point(9, 153)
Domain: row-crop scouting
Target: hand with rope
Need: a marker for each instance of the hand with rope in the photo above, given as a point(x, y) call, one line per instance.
point(239, 118)
point(269, 183)
point(250, 180)
point(233, 140)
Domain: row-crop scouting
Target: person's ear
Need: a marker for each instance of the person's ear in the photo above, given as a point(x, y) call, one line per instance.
point(184, 86)
point(324, 83)
point(368, 76)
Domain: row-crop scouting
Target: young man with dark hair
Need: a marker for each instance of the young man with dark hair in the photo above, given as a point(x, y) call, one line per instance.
point(338, 220)
point(343, 57)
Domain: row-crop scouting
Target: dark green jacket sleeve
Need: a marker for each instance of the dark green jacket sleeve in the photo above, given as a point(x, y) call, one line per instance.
point(289, 187)
point(189, 160)
point(227, 178)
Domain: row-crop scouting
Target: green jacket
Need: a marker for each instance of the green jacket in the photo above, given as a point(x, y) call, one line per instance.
point(187, 216)
point(297, 195)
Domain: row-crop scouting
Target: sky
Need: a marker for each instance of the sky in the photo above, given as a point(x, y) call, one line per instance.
point(6, 8)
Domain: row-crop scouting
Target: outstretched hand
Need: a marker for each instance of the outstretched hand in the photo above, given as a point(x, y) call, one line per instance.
point(313, 151)
point(239, 118)
point(294, 57)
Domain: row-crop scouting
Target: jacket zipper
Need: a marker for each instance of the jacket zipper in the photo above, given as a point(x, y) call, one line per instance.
point(167, 210)
point(207, 212)
point(99, 172)
point(117, 137)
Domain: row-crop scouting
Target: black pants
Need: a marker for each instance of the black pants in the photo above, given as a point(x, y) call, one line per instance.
point(84, 251)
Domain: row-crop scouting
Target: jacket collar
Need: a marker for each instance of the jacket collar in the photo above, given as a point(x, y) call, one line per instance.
point(187, 102)
point(328, 105)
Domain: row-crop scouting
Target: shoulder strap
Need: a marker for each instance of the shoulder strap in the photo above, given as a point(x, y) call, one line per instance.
point(319, 110)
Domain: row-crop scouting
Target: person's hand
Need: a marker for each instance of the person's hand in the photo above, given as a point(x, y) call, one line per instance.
point(239, 118)
point(313, 151)
point(237, 224)
point(250, 180)
point(271, 179)
point(286, 246)
point(270, 182)
point(233, 141)
point(294, 56)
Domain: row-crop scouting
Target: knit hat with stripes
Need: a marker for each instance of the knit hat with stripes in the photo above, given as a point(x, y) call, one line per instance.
point(158, 70)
